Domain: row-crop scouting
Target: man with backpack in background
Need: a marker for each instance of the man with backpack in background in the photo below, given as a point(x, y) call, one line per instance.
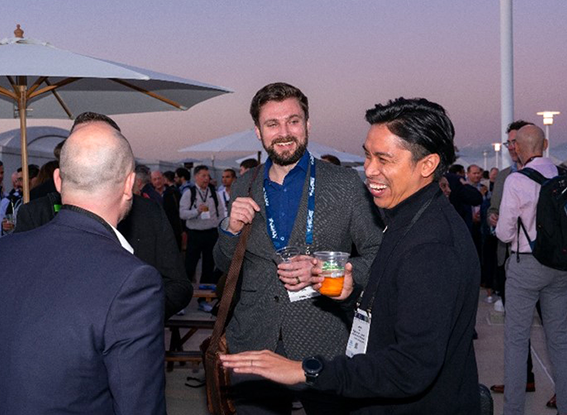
point(199, 208)
point(527, 278)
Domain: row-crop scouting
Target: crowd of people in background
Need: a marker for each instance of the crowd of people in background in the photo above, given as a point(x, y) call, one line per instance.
point(178, 219)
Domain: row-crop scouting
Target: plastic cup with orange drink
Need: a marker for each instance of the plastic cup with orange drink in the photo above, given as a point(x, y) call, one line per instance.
point(333, 265)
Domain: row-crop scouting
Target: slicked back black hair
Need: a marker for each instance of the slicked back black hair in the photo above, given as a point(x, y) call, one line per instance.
point(423, 126)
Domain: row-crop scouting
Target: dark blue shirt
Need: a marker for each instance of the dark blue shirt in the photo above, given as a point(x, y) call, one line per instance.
point(284, 199)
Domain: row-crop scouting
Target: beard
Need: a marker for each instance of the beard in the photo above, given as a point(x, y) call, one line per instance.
point(287, 157)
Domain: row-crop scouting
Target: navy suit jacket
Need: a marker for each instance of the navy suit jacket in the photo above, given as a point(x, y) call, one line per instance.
point(146, 228)
point(81, 323)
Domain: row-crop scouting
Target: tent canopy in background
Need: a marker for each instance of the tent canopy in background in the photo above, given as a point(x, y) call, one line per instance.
point(227, 147)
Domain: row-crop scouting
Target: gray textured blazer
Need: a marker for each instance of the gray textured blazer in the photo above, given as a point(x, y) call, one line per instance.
point(344, 214)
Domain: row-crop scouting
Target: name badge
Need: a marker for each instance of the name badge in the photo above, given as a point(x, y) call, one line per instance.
point(303, 294)
point(358, 339)
point(206, 215)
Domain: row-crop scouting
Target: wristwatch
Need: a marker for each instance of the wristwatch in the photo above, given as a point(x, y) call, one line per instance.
point(312, 366)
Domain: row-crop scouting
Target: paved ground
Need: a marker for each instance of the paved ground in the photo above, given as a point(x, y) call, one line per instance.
point(182, 400)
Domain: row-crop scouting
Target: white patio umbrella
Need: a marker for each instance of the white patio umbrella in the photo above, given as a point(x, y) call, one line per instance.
point(247, 141)
point(242, 142)
point(40, 81)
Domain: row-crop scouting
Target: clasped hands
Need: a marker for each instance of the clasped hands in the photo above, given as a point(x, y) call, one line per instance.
point(302, 270)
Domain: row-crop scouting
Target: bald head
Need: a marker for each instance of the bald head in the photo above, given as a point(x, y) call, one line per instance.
point(530, 142)
point(95, 159)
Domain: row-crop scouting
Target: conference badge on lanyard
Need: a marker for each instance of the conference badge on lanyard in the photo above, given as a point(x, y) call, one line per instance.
point(358, 339)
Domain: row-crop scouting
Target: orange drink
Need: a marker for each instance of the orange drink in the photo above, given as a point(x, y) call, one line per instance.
point(333, 270)
point(332, 287)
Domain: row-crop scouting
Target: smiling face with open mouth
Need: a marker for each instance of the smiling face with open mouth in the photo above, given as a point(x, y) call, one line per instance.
point(391, 174)
point(283, 131)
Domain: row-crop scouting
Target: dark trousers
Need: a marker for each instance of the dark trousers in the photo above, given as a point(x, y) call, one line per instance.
point(201, 244)
point(488, 264)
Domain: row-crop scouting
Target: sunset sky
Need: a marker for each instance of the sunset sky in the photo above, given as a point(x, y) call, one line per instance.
point(346, 55)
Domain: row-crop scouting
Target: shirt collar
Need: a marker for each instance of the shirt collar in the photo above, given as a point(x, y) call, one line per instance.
point(538, 161)
point(122, 240)
point(302, 164)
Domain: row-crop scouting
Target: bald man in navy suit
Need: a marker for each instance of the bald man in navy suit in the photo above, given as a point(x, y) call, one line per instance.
point(81, 317)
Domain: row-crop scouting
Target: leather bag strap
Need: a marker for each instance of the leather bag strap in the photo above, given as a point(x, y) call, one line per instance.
point(231, 279)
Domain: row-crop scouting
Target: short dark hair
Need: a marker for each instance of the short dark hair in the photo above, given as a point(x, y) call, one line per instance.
point(33, 170)
point(231, 171)
point(422, 125)
point(183, 172)
point(516, 125)
point(88, 116)
point(279, 92)
point(456, 169)
point(199, 168)
point(249, 163)
point(331, 159)
point(169, 175)
point(57, 150)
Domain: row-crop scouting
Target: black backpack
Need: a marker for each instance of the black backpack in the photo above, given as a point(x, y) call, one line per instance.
point(550, 245)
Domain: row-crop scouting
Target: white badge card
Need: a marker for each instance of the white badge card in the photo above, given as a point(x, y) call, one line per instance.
point(358, 339)
point(206, 215)
point(303, 294)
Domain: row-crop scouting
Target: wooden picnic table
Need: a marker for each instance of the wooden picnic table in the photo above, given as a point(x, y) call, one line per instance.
point(191, 322)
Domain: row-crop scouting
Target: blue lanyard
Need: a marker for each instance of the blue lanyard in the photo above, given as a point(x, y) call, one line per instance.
point(273, 232)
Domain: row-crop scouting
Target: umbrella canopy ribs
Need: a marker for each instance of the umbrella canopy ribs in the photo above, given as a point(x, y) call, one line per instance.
point(41, 81)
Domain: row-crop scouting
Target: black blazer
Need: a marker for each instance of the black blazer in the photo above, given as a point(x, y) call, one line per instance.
point(146, 228)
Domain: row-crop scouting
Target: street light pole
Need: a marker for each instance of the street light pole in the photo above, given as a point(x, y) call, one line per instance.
point(506, 72)
point(497, 147)
point(547, 121)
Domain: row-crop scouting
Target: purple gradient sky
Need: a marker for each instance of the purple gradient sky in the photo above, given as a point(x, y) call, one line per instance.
point(345, 55)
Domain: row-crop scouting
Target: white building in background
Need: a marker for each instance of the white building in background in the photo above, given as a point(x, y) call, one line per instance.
point(41, 142)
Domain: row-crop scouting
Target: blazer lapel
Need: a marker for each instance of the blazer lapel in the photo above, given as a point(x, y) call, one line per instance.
point(297, 237)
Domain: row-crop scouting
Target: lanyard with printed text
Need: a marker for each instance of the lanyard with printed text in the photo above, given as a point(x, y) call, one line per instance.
point(277, 239)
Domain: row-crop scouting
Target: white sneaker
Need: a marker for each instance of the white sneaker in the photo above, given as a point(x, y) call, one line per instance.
point(499, 306)
point(489, 299)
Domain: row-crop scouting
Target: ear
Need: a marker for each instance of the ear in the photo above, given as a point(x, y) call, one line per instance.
point(429, 164)
point(258, 133)
point(308, 127)
point(57, 179)
point(545, 144)
point(129, 186)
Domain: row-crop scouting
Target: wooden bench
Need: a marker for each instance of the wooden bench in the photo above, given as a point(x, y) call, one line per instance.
point(208, 295)
point(176, 352)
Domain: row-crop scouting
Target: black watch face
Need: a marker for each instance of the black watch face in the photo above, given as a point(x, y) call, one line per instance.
point(312, 365)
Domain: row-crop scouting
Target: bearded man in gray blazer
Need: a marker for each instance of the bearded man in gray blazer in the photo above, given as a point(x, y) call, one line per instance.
point(295, 201)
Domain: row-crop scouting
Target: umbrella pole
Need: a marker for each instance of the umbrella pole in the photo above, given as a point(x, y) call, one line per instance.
point(22, 109)
point(259, 157)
